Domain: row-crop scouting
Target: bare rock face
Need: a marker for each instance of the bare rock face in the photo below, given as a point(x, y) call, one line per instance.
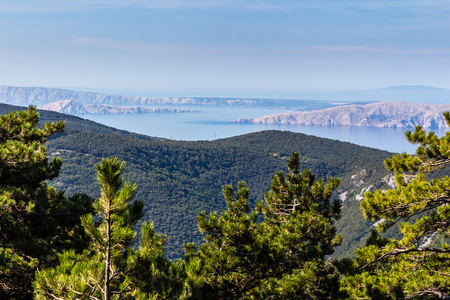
point(383, 114)
point(73, 107)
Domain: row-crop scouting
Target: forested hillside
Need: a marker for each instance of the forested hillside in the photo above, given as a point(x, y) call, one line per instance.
point(177, 179)
point(73, 123)
point(58, 245)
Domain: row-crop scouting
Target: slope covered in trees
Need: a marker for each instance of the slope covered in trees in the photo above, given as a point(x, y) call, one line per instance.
point(110, 268)
point(36, 220)
point(178, 179)
point(72, 123)
point(416, 264)
point(278, 249)
point(280, 257)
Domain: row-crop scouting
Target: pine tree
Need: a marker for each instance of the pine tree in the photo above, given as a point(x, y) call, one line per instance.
point(110, 268)
point(96, 273)
point(153, 275)
point(298, 221)
point(231, 259)
point(36, 221)
point(418, 265)
point(282, 257)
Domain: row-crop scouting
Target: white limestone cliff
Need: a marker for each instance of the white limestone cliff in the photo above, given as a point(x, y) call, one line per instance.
point(380, 114)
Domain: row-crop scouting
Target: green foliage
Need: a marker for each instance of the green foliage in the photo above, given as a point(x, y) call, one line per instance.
point(232, 251)
point(73, 124)
point(283, 256)
point(153, 275)
point(110, 268)
point(36, 220)
point(298, 221)
point(410, 267)
point(177, 179)
point(23, 159)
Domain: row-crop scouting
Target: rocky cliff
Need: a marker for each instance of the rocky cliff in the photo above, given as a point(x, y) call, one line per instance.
point(381, 114)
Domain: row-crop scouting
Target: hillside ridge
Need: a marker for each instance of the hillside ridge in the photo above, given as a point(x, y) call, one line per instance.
point(178, 179)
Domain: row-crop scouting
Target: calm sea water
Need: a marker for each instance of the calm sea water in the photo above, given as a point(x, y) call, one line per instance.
point(213, 123)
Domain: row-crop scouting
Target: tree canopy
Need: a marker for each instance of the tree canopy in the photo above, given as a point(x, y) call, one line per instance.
point(281, 257)
point(80, 248)
point(417, 265)
point(110, 268)
point(36, 220)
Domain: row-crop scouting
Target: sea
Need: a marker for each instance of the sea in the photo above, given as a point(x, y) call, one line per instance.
point(213, 122)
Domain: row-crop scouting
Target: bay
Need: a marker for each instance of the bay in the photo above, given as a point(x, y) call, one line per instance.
point(213, 123)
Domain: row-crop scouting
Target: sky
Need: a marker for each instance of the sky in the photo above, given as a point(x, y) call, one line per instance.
point(224, 48)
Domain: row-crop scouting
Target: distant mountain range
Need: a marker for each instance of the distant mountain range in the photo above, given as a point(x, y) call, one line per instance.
point(307, 112)
point(409, 93)
point(384, 114)
point(73, 107)
point(41, 96)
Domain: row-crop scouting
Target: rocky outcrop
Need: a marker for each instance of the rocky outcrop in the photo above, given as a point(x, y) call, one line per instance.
point(384, 114)
point(73, 107)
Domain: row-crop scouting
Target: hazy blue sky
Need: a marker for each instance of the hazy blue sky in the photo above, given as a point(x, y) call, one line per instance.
point(225, 48)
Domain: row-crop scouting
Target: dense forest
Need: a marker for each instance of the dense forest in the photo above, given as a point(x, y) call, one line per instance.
point(177, 179)
point(240, 217)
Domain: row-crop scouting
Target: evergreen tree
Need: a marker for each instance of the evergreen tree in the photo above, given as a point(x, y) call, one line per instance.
point(230, 263)
point(418, 265)
point(298, 221)
point(36, 221)
point(282, 257)
point(152, 274)
point(110, 268)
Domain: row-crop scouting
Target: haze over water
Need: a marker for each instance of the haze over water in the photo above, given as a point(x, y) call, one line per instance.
point(213, 123)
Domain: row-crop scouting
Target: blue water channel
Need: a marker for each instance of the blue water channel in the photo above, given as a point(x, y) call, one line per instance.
point(213, 123)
